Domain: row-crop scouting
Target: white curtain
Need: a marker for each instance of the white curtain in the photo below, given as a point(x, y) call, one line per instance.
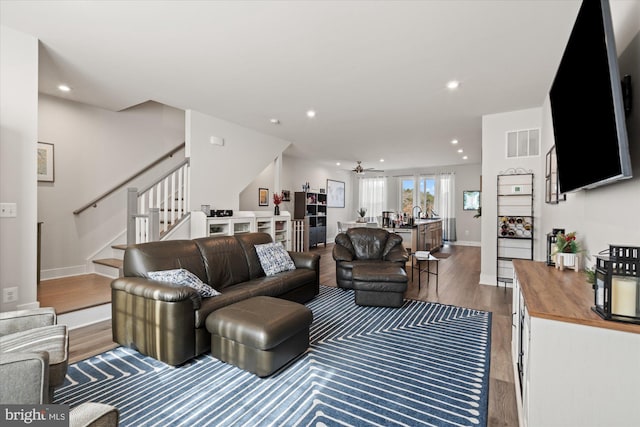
point(373, 196)
point(446, 205)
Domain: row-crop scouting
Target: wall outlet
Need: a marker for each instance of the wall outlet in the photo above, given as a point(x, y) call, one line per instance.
point(8, 210)
point(10, 294)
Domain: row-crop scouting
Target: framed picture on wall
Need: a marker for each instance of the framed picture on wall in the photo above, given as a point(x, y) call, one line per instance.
point(45, 162)
point(263, 197)
point(335, 194)
point(470, 200)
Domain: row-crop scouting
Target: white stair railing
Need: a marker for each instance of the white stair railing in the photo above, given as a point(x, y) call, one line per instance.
point(300, 234)
point(153, 211)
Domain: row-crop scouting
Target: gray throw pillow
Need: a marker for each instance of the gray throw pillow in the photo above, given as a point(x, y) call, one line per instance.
point(274, 258)
point(183, 277)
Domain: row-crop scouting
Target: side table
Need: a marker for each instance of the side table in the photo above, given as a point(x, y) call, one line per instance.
point(425, 257)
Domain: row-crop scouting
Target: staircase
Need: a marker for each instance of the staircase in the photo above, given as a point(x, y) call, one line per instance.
point(152, 215)
point(111, 267)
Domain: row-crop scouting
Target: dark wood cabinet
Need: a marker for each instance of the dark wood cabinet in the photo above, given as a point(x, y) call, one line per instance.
point(314, 206)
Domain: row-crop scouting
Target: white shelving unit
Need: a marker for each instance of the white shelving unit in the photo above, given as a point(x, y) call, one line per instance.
point(515, 224)
point(278, 226)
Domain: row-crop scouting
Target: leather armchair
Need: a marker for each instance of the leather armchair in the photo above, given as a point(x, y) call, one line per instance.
point(362, 246)
point(36, 331)
point(25, 381)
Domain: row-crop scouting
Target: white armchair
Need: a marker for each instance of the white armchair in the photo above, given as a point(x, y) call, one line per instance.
point(33, 362)
point(36, 331)
point(25, 381)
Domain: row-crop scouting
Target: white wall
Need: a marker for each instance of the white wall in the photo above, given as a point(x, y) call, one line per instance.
point(494, 162)
point(96, 149)
point(609, 214)
point(18, 138)
point(249, 196)
point(219, 174)
point(601, 216)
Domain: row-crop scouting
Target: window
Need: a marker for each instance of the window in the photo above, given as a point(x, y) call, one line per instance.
point(424, 196)
point(406, 195)
point(523, 143)
point(427, 193)
point(373, 196)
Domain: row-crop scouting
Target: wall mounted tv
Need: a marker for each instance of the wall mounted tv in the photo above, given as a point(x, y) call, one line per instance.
point(587, 105)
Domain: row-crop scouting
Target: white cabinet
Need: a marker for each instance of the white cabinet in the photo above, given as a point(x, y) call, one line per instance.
point(279, 226)
point(572, 367)
point(282, 230)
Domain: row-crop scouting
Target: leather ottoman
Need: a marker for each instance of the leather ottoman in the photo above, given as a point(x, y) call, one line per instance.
point(379, 285)
point(260, 334)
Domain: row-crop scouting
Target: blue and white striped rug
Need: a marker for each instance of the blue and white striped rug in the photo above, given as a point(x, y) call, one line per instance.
point(422, 364)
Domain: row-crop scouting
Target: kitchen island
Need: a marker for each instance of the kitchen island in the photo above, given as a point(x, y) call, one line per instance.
point(423, 235)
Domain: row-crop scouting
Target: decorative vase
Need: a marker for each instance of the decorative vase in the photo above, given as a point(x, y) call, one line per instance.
point(276, 210)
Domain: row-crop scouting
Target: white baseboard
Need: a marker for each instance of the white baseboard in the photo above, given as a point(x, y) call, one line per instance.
point(28, 306)
point(464, 243)
point(85, 317)
point(490, 280)
point(56, 273)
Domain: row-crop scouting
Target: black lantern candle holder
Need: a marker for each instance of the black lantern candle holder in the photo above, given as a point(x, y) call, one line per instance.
point(551, 241)
point(617, 287)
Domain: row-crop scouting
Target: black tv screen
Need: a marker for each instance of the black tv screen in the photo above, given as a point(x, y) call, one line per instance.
point(587, 106)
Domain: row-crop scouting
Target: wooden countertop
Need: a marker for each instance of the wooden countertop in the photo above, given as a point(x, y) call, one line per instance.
point(562, 295)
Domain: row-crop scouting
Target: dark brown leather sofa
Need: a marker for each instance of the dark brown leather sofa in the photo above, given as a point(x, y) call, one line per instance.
point(168, 322)
point(366, 246)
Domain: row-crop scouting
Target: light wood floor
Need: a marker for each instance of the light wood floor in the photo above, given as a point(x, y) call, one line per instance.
point(459, 273)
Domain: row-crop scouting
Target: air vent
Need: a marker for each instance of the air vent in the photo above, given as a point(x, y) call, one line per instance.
point(523, 143)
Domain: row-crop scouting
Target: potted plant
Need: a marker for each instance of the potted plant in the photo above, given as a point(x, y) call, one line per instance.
point(567, 250)
point(362, 212)
point(277, 199)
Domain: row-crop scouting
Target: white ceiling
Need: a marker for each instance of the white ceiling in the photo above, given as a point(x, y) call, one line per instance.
point(375, 71)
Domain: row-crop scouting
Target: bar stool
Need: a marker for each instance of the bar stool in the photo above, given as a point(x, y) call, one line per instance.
point(420, 257)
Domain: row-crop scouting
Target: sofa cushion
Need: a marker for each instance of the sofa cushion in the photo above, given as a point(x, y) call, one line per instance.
point(182, 277)
point(248, 241)
point(224, 260)
point(274, 286)
point(274, 258)
point(163, 255)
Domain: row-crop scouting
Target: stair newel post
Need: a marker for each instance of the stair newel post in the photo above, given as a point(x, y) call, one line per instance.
point(154, 224)
point(132, 211)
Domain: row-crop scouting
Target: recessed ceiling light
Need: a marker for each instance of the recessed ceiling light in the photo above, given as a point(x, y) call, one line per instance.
point(381, 160)
point(453, 84)
point(64, 88)
point(274, 121)
point(454, 141)
point(460, 150)
point(311, 114)
point(465, 157)
point(337, 163)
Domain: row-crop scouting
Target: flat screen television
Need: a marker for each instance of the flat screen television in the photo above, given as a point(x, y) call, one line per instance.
point(587, 105)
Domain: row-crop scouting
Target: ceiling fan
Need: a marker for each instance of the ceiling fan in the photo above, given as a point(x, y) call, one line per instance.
point(359, 170)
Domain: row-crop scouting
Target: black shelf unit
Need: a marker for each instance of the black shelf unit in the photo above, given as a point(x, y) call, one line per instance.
point(314, 206)
point(515, 221)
